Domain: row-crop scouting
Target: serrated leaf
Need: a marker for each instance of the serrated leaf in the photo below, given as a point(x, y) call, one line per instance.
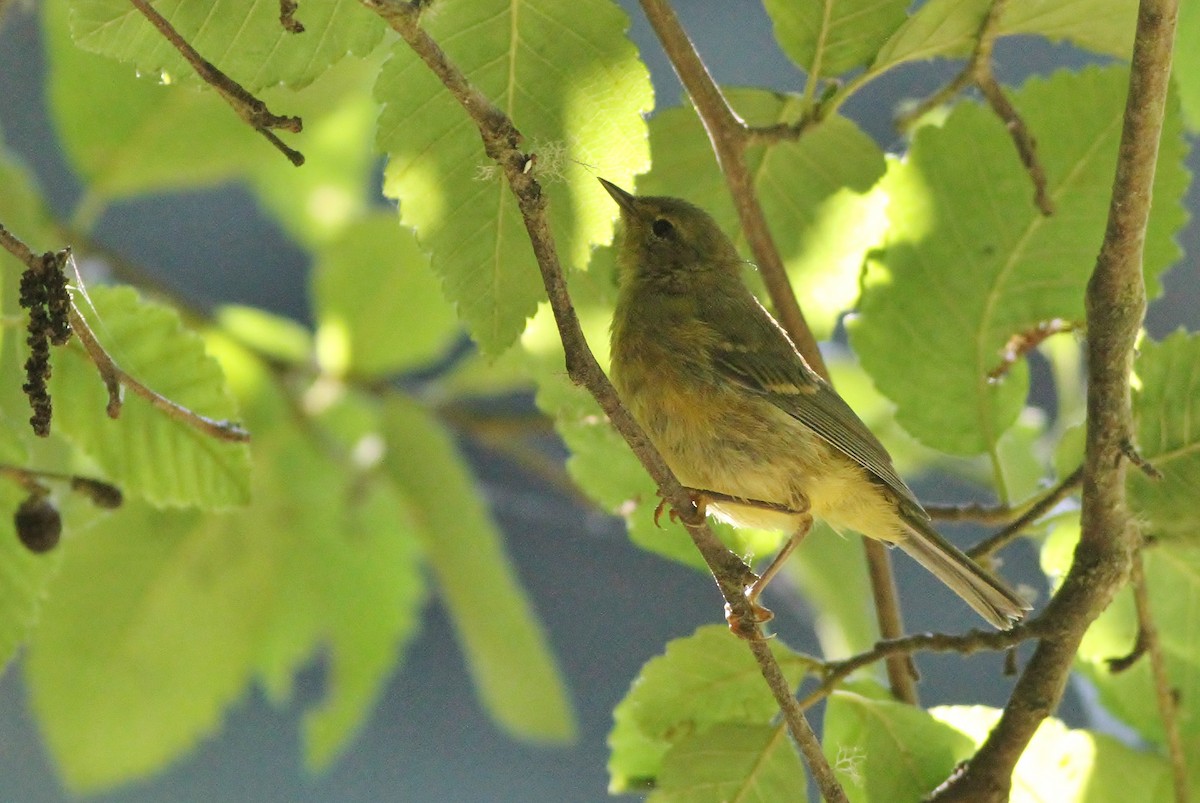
point(969, 261)
point(733, 761)
point(1185, 64)
point(1167, 410)
point(147, 636)
point(514, 671)
point(378, 307)
point(950, 28)
point(126, 135)
point(576, 90)
point(243, 38)
point(1068, 765)
point(885, 751)
point(815, 194)
point(704, 679)
point(146, 451)
point(831, 37)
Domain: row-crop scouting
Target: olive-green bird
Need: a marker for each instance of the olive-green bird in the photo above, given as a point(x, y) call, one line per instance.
point(741, 418)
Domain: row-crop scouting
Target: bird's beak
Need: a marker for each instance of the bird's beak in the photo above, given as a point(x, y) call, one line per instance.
point(624, 200)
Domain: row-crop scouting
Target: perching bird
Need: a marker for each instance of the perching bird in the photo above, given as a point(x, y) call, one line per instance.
point(739, 416)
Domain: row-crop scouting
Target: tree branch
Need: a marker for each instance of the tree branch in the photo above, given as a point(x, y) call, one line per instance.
point(834, 672)
point(248, 107)
point(1041, 507)
point(501, 140)
point(1116, 303)
point(730, 136)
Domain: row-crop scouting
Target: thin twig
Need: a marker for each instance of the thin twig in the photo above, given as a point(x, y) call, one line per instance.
point(834, 672)
point(101, 493)
point(974, 511)
point(115, 378)
point(1041, 507)
point(730, 136)
point(1131, 453)
point(978, 72)
point(901, 671)
point(1116, 305)
point(15, 246)
point(248, 107)
point(1168, 707)
point(501, 140)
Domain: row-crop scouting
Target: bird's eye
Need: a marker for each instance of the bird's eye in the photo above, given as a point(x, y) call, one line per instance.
point(662, 227)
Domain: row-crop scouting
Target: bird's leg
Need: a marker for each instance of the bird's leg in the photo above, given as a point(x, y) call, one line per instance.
point(699, 499)
point(753, 592)
point(702, 498)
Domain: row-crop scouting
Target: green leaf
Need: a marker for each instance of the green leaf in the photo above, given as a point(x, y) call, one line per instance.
point(146, 451)
point(159, 621)
point(576, 90)
point(950, 28)
point(243, 38)
point(349, 569)
point(884, 751)
point(1167, 410)
point(378, 307)
point(702, 680)
point(1068, 766)
point(148, 634)
point(126, 136)
point(339, 179)
point(24, 577)
point(1185, 64)
point(815, 194)
point(513, 669)
point(1172, 571)
point(732, 761)
point(266, 333)
point(830, 38)
point(372, 590)
point(969, 261)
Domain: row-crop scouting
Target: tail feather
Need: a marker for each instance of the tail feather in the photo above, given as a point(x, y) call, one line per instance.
point(990, 597)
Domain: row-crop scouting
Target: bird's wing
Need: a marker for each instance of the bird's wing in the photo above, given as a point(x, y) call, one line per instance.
point(760, 358)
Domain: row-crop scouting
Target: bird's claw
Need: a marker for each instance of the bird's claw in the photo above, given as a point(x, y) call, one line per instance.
point(698, 501)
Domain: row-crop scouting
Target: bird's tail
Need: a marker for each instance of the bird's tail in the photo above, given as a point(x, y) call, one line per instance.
point(990, 597)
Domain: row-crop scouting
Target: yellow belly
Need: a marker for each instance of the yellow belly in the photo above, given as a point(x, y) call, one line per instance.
point(722, 440)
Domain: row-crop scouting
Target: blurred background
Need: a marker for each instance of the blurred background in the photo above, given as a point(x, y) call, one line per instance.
point(429, 739)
